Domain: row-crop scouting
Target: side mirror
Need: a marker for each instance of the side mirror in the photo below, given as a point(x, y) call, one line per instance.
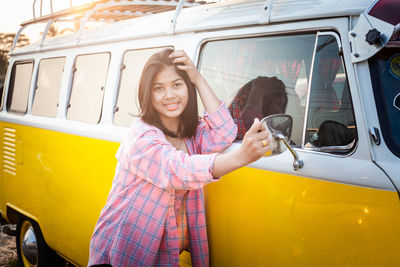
point(281, 123)
point(280, 127)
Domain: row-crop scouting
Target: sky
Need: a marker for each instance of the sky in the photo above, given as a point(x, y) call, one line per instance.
point(14, 12)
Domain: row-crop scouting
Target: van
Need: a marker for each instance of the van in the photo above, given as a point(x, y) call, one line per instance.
point(332, 199)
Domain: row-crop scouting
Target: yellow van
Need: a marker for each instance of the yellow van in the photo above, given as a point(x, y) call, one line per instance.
point(69, 99)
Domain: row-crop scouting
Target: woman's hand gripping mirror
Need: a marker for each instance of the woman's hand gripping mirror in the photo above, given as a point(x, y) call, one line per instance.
point(255, 144)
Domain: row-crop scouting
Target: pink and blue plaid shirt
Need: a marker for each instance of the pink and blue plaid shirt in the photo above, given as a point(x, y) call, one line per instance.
point(137, 226)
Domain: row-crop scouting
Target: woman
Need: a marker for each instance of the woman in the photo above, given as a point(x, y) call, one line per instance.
point(155, 207)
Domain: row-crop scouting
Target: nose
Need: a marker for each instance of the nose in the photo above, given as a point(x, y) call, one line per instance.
point(169, 92)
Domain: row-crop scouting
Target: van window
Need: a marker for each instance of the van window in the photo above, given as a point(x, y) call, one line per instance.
point(18, 93)
point(127, 105)
point(45, 101)
point(86, 101)
point(260, 76)
point(330, 121)
point(385, 76)
point(1, 94)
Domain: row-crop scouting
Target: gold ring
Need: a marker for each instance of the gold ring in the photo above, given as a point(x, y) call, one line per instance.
point(187, 62)
point(264, 142)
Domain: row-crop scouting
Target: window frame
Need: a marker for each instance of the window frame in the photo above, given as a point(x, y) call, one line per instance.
point(37, 80)
point(10, 89)
point(5, 85)
point(338, 150)
point(347, 149)
point(72, 82)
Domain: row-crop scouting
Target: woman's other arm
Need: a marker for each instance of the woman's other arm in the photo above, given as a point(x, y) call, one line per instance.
point(251, 149)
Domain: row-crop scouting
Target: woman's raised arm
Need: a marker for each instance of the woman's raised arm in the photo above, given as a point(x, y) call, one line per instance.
point(207, 95)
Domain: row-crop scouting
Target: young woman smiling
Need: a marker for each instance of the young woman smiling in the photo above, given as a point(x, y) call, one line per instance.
point(155, 208)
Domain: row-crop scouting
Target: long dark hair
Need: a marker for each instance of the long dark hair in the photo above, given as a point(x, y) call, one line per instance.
point(189, 117)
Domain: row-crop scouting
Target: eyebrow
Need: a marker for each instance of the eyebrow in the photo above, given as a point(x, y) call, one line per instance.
point(171, 82)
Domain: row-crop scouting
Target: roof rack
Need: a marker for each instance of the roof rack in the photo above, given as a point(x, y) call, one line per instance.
point(105, 10)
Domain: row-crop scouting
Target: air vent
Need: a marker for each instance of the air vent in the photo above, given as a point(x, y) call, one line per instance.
point(9, 151)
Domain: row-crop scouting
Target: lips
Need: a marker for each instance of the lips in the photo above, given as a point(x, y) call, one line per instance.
point(172, 106)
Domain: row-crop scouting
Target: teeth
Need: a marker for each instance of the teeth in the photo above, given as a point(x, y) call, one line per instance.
point(172, 106)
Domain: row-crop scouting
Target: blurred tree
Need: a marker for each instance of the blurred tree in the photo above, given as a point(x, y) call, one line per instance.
point(6, 41)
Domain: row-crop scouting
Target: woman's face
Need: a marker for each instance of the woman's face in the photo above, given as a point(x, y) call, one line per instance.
point(169, 97)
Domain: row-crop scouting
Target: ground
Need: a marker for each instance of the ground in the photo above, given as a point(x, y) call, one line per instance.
point(8, 250)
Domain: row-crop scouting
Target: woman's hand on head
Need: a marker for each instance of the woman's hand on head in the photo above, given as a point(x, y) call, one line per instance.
point(207, 95)
point(255, 143)
point(183, 62)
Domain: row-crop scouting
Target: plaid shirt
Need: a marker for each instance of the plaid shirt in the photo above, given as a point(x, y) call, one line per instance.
point(137, 226)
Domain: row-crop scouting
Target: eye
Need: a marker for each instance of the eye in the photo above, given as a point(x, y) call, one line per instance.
point(177, 84)
point(157, 88)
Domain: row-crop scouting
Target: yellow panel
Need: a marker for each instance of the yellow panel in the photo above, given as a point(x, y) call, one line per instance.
point(64, 183)
point(261, 218)
point(254, 217)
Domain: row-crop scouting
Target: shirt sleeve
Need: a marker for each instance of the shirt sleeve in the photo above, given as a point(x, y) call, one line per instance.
point(153, 158)
point(216, 131)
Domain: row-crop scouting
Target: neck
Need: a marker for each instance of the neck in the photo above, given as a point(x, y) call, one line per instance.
point(172, 124)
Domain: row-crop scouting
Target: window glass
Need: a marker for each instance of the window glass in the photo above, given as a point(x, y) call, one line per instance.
point(127, 102)
point(48, 84)
point(17, 100)
point(86, 101)
point(385, 76)
point(260, 76)
point(330, 114)
point(1, 94)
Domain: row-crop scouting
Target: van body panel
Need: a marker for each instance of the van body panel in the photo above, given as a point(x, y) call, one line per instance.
point(326, 167)
point(255, 217)
point(62, 183)
point(97, 131)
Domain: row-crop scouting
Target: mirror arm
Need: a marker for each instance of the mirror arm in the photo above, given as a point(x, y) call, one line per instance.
point(297, 163)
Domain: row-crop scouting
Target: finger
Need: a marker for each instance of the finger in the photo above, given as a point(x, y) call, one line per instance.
point(257, 126)
point(182, 60)
point(183, 67)
point(265, 149)
point(177, 53)
point(261, 135)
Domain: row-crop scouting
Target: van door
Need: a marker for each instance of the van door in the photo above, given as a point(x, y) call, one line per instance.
point(384, 69)
point(339, 209)
point(375, 42)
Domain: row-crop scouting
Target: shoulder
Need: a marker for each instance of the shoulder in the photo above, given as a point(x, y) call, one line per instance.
point(139, 128)
point(140, 136)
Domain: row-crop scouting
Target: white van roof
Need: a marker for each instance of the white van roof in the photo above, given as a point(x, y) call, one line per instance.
point(227, 14)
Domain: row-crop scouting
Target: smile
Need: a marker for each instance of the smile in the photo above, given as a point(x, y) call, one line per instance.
point(172, 106)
